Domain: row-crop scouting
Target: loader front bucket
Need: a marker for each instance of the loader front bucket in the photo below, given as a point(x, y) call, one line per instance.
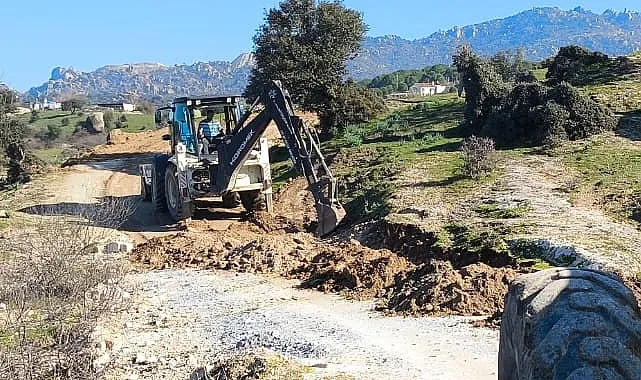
point(329, 217)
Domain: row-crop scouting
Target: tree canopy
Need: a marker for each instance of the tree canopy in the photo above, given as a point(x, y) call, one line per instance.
point(305, 45)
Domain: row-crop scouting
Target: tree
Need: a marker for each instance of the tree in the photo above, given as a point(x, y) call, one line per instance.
point(74, 104)
point(145, 107)
point(571, 62)
point(12, 133)
point(109, 117)
point(305, 45)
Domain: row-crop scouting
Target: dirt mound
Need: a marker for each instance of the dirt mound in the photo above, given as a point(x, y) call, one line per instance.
point(361, 272)
point(437, 288)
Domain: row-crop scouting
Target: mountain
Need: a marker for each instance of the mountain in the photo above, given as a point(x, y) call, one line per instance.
point(539, 32)
point(150, 81)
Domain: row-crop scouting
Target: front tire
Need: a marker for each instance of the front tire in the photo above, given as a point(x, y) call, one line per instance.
point(253, 200)
point(231, 200)
point(177, 206)
point(570, 324)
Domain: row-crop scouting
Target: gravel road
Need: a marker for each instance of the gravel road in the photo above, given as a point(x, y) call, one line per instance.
point(185, 319)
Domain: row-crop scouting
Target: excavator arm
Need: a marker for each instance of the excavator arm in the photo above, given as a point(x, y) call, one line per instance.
point(303, 147)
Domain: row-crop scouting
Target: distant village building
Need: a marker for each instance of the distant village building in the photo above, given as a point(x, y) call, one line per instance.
point(123, 107)
point(398, 95)
point(45, 105)
point(427, 89)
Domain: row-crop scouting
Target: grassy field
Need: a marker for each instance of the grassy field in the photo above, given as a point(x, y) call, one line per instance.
point(610, 174)
point(133, 123)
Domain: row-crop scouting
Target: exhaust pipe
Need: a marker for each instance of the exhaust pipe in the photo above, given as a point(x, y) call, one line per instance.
point(329, 217)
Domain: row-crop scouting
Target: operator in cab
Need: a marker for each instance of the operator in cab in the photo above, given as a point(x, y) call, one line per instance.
point(208, 131)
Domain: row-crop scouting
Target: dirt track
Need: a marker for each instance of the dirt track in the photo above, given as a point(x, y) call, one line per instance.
point(210, 313)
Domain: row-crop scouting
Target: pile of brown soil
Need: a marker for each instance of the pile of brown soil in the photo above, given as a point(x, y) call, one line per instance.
point(361, 272)
point(437, 288)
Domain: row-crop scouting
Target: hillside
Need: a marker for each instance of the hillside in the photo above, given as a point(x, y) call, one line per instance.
point(539, 32)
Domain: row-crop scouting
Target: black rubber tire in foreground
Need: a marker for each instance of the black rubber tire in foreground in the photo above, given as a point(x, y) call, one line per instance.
point(158, 182)
point(178, 208)
point(570, 324)
point(253, 200)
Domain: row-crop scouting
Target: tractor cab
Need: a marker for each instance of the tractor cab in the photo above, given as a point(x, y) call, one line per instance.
point(199, 124)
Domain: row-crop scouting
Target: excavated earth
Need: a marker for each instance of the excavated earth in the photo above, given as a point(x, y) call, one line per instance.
point(419, 283)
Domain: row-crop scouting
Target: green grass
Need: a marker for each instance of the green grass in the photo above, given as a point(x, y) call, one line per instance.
point(495, 211)
point(53, 156)
point(54, 118)
point(137, 123)
point(134, 123)
point(372, 154)
point(610, 171)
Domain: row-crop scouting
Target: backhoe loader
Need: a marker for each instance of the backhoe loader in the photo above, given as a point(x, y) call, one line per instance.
point(234, 165)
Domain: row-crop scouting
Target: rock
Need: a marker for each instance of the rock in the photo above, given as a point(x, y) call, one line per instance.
point(116, 137)
point(96, 122)
point(192, 361)
point(3, 306)
point(141, 358)
point(116, 247)
point(4, 214)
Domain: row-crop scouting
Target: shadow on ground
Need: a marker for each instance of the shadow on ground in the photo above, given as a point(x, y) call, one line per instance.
point(630, 125)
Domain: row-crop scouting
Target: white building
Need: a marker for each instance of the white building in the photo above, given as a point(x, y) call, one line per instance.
point(45, 105)
point(427, 89)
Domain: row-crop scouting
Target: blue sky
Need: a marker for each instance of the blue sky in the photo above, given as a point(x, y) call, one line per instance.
point(38, 35)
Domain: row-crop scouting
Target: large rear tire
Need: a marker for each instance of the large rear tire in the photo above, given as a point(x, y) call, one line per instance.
point(158, 168)
point(178, 207)
point(570, 324)
point(253, 200)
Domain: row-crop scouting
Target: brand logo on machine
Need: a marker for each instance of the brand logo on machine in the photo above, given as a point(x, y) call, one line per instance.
point(236, 155)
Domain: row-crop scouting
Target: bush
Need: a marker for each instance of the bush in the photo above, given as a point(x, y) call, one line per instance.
point(478, 160)
point(123, 118)
point(109, 118)
point(34, 116)
point(55, 287)
point(65, 121)
point(146, 108)
point(350, 104)
point(51, 133)
point(353, 135)
point(528, 113)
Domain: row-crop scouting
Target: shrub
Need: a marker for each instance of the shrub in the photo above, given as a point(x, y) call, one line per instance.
point(353, 135)
point(123, 118)
point(51, 133)
point(65, 121)
point(55, 286)
point(527, 113)
point(478, 160)
point(571, 62)
point(350, 104)
point(34, 116)
point(146, 108)
point(109, 118)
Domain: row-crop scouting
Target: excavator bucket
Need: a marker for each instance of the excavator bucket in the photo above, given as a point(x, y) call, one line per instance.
point(329, 217)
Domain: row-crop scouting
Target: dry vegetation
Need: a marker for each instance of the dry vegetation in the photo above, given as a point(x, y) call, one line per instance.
point(56, 281)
